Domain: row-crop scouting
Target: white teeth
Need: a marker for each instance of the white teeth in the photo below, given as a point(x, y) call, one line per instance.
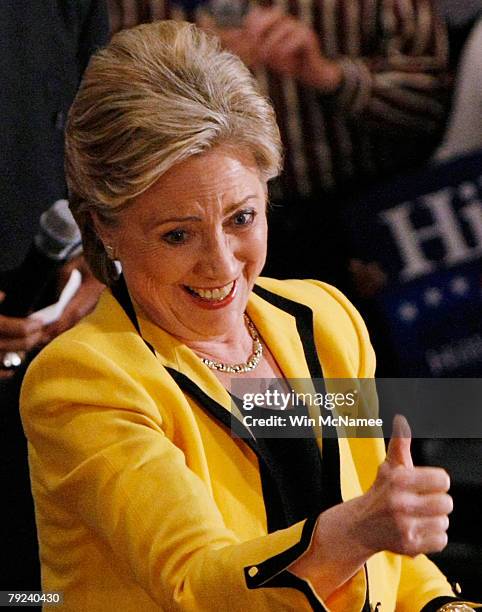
point(214, 294)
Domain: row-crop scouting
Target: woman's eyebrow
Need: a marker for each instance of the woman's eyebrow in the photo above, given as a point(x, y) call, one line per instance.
point(227, 211)
point(174, 220)
point(240, 203)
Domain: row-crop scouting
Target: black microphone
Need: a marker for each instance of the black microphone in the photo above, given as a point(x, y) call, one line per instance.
point(57, 241)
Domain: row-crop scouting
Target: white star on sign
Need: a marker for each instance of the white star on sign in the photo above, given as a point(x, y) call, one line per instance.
point(459, 285)
point(467, 190)
point(432, 296)
point(408, 311)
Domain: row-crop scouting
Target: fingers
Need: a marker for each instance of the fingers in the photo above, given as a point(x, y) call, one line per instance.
point(260, 27)
point(276, 40)
point(81, 304)
point(270, 37)
point(398, 452)
point(259, 21)
point(436, 504)
point(248, 39)
point(4, 374)
point(429, 480)
point(432, 542)
point(417, 480)
point(414, 505)
point(286, 44)
point(426, 535)
point(19, 334)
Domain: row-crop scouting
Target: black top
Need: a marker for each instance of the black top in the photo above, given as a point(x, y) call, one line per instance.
point(44, 47)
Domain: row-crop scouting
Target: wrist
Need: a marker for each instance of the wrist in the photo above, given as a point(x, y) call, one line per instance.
point(358, 518)
point(337, 550)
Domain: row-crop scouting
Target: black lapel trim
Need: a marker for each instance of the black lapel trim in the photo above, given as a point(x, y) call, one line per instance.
point(229, 421)
point(304, 324)
point(331, 452)
point(121, 293)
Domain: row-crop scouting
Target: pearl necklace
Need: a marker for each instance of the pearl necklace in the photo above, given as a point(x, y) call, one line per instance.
point(240, 368)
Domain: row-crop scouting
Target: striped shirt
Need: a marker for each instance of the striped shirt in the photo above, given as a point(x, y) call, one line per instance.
point(388, 114)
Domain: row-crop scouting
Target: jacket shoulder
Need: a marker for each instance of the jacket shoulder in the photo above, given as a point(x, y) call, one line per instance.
point(102, 360)
point(339, 329)
point(312, 293)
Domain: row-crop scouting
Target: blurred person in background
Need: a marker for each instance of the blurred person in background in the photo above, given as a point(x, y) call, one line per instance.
point(464, 130)
point(44, 49)
point(460, 17)
point(360, 91)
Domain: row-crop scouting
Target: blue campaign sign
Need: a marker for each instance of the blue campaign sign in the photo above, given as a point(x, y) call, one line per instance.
point(425, 231)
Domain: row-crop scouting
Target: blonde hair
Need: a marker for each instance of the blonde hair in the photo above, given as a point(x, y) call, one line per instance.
point(156, 95)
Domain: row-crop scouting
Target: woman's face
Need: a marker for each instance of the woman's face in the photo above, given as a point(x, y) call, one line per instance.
point(193, 244)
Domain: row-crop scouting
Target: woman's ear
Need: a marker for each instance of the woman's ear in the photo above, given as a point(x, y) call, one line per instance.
point(104, 232)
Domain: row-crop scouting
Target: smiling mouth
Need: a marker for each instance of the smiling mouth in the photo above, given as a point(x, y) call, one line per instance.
point(212, 295)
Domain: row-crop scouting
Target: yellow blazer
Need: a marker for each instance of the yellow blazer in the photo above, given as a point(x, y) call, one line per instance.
point(145, 501)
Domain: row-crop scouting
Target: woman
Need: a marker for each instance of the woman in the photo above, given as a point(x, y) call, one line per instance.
point(144, 500)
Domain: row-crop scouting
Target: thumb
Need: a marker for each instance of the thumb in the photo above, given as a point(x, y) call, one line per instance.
point(398, 452)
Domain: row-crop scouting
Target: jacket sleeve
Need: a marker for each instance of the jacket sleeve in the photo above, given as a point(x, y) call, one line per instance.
point(436, 590)
point(102, 453)
point(404, 83)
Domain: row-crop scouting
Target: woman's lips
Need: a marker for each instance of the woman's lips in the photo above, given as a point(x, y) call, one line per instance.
point(212, 298)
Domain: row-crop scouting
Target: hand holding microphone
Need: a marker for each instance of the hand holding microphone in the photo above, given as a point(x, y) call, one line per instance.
point(57, 241)
point(271, 38)
point(17, 336)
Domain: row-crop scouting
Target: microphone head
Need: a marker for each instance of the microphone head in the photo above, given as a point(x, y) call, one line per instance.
point(228, 13)
point(58, 236)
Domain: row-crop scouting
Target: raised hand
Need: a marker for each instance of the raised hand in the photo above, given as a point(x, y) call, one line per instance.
point(83, 301)
point(283, 43)
point(406, 510)
point(18, 335)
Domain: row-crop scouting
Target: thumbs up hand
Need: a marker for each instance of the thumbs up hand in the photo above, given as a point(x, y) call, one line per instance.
point(404, 512)
point(406, 509)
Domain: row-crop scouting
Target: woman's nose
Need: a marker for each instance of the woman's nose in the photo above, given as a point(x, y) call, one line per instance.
point(217, 259)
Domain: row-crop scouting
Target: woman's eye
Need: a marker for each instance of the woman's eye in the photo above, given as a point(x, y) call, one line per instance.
point(244, 217)
point(175, 236)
